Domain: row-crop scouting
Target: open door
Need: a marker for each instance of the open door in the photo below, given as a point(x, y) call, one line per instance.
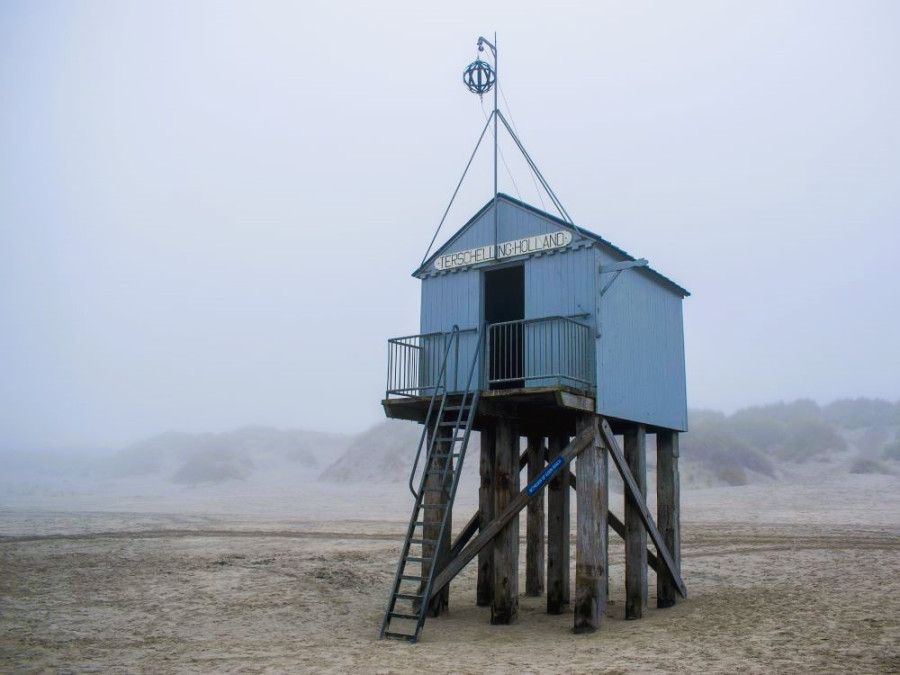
point(504, 310)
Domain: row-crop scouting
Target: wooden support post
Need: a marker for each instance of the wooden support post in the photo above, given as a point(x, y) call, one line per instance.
point(557, 531)
point(662, 551)
point(534, 549)
point(591, 528)
point(505, 603)
point(432, 519)
point(668, 509)
point(487, 534)
point(484, 592)
point(635, 534)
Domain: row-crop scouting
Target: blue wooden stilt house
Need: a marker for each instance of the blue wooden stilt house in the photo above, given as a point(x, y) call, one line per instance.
point(561, 308)
point(532, 327)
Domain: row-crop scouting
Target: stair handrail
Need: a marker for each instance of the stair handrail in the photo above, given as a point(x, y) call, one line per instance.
point(442, 376)
point(476, 395)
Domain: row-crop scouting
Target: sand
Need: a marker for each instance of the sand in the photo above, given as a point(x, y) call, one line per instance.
point(782, 578)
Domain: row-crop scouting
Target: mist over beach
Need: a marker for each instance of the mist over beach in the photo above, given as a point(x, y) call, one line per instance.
point(209, 215)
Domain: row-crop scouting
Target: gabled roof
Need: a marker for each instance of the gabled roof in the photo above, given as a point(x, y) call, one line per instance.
point(557, 221)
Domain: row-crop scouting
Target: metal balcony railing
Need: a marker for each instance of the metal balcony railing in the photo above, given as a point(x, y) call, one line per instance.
point(554, 350)
point(550, 351)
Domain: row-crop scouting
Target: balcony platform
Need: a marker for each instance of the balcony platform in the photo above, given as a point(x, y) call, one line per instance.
point(538, 410)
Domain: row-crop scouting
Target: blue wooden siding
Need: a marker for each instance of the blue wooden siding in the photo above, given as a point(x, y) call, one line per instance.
point(640, 365)
point(637, 325)
point(454, 299)
point(557, 284)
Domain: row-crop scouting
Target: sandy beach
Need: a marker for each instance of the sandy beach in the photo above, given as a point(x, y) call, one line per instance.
point(782, 578)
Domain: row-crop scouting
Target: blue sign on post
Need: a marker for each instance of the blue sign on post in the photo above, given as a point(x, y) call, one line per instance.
point(538, 482)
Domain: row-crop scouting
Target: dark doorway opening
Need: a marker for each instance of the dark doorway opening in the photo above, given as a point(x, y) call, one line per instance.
point(504, 301)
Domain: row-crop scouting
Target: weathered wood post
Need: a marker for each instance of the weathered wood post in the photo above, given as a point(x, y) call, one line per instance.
point(505, 604)
point(558, 531)
point(668, 507)
point(432, 519)
point(534, 549)
point(591, 531)
point(635, 533)
point(484, 590)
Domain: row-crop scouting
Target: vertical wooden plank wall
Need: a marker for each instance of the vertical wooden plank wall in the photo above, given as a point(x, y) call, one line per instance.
point(668, 517)
point(635, 534)
point(505, 605)
point(591, 532)
point(558, 531)
point(484, 590)
point(534, 548)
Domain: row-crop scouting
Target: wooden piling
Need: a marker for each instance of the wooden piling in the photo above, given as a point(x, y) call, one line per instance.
point(591, 531)
point(668, 509)
point(557, 531)
point(484, 593)
point(534, 548)
point(505, 603)
point(432, 518)
point(635, 534)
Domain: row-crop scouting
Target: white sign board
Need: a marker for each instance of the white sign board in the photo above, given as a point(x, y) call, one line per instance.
point(508, 249)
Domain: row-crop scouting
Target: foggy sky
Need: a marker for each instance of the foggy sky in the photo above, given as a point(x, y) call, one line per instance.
point(209, 211)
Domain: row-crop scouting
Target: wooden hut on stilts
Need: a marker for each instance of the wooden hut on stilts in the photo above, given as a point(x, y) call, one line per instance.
point(533, 327)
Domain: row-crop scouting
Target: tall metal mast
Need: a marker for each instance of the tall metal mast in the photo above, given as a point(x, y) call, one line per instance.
point(481, 42)
point(480, 77)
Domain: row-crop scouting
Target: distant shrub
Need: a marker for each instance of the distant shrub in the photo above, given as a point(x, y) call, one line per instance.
point(731, 472)
point(810, 438)
point(212, 467)
point(892, 450)
point(724, 454)
point(855, 413)
point(867, 466)
point(765, 433)
point(801, 409)
point(871, 440)
point(704, 417)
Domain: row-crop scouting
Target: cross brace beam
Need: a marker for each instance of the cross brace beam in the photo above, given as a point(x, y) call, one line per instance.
point(668, 564)
point(455, 566)
point(457, 563)
point(619, 527)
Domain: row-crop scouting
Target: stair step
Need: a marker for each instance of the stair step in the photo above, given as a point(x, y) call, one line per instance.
point(407, 617)
point(408, 596)
point(434, 506)
point(410, 577)
point(411, 558)
point(423, 541)
point(400, 636)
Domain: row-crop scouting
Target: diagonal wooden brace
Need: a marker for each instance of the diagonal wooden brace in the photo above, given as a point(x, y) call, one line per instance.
point(487, 534)
point(668, 564)
point(618, 526)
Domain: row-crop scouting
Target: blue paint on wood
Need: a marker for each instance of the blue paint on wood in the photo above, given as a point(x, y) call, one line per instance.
point(638, 356)
point(546, 474)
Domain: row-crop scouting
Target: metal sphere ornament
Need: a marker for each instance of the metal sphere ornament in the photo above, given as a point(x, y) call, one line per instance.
point(479, 77)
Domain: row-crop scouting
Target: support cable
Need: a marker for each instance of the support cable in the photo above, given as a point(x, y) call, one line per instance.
point(513, 122)
point(540, 176)
point(503, 158)
point(458, 185)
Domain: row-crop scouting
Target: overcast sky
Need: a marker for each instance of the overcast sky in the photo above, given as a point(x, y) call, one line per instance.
point(209, 211)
